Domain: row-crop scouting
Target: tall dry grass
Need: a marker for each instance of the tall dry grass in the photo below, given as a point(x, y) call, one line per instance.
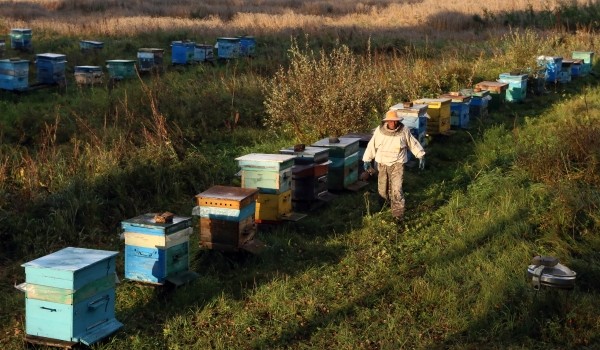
point(261, 17)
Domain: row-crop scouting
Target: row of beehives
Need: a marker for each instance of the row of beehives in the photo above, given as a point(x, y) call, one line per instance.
point(70, 294)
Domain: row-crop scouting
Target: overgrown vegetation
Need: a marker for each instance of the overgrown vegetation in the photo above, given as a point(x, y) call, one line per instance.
point(522, 182)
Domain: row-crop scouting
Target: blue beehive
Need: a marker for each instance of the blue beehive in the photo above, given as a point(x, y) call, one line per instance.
point(228, 48)
point(203, 53)
point(478, 106)
point(70, 295)
point(564, 76)
point(156, 251)
point(247, 46)
point(588, 60)
point(553, 66)
point(459, 109)
point(182, 52)
point(414, 116)
point(90, 45)
point(50, 68)
point(14, 74)
point(20, 39)
point(517, 86)
point(576, 68)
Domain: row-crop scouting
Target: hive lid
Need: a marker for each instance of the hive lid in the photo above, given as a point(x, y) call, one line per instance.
point(150, 220)
point(432, 100)
point(342, 142)
point(266, 157)
point(456, 97)
point(228, 192)
point(70, 259)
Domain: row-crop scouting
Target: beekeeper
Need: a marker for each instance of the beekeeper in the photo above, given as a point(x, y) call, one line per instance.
point(389, 146)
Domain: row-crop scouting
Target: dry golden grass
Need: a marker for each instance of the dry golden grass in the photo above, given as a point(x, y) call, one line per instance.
point(258, 17)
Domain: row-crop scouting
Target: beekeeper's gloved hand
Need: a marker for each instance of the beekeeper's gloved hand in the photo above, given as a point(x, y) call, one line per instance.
point(366, 165)
point(422, 163)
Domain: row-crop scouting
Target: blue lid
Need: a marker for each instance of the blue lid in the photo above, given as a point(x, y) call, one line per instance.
point(71, 259)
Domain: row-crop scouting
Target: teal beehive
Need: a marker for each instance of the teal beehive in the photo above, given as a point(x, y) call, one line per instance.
point(120, 69)
point(70, 296)
point(14, 74)
point(588, 60)
point(343, 155)
point(228, 48)
point(269, 173)
point(50, 68)
point(85, 45)
point(517, 86)
point(20, 39)
point(203, 53)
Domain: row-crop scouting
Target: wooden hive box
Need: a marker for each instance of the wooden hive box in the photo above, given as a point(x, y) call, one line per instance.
point(247, 46)
point(267, 181)
point(14, 74)
point(517, 86)
point(70, 295)
point(576, 68)
point(266, 161)
point(50, 68)
point(203, 53)
point(439, 114)
point(90, 45)
point(155, 251)
point(182, 52)
point(553, 65)
point(228, 48)
point(339, 147)
point(564, 76)
point(121, 69)
point(20, 39)
point(478, 105)
point(273, 207)
point(459, 109)
point(342, 172)
point(497, 92)
point(150, 59)
point(588, 60)
point(414, 116)
point(226, 217)
point(89, 75)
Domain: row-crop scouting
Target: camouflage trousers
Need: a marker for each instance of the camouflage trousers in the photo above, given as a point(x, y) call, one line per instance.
point(389, 185)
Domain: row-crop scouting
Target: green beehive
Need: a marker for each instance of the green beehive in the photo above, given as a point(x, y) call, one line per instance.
point(120, 69)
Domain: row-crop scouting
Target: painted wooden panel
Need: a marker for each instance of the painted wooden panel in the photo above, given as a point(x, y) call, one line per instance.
point(308, 188)
point(224, 213)
point(310, 170)
point(153, 241)
point(69, 296)
point(309, 155)
point(271, 207)
point(267, 181)
point(345, 147)
point(68, 322)
point(146, 224)
point(265, 161)
point(459, 114)
point(342, 172)
point(227, 197)
point(224, 232)
point(70, 268)
point(154, 265)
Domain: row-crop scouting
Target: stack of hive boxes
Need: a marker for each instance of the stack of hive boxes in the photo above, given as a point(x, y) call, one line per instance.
point(271, 174)
point(363, 141)
point(343, 154)
point(459, 109)
point(70, 296)
point(14, 74)
point(157, 247)
point(309, 176)
point(478, 105)
point(226, 217)
point(438, 110)
point(414, 117)
point(517, 86)
point(51, 68)
point(497, 92)
point(182, 52)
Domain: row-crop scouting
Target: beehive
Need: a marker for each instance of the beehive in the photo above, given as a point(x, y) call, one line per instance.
point(270, 173)
point(517, 86)
point(182, 52)
point(309, 176)
point(51, 68)
point(14, 74)
point(20, 39)
point(478, 105)
point(120, 69)
point(459, 109)
point(343, 154)
point(497, 92)
point(247, 46)
point(70, 296)
point(273, 207)
point(564, 76)
point(156, 251)
point(89, 75)
point(438, 110)
point(226, 217)
point(150, 59)
point(363, 141)
point(203, 53)
point(588, 60)
point(85, 45)
point(228, 48)
point(553, 66)
point(576, 67)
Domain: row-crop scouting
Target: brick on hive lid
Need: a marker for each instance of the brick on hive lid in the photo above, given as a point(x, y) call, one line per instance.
point(163, 218)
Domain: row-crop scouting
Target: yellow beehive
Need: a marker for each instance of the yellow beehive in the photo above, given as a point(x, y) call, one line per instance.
point(273, 207)
point(438, 110)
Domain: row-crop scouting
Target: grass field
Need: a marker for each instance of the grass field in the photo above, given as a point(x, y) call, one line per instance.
point(75, 162)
